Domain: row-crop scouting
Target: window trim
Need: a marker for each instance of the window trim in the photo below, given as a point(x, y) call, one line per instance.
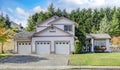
point(68, 28)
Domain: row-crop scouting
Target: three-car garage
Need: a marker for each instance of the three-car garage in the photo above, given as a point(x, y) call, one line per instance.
point(44, 47)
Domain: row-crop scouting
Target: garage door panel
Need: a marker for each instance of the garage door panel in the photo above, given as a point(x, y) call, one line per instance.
point(62, 47)
point(24, 48)
point(43, 47)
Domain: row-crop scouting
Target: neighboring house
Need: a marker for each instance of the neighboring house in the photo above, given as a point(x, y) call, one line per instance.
point(97, 41)
point(54, 35)
point(20, 27)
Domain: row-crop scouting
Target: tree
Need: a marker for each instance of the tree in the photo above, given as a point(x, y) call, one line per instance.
point(58, 12)
point(104, 26)
point(51, 10)
point(3, 35)
point(114, 26)
point(7, 22)
point(64, 13)
point(78, 47)
point(12, 31)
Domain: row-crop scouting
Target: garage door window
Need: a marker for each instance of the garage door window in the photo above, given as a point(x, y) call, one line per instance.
point(44, 42)
point(22, 43)
point(38, 43)
point(41, 43)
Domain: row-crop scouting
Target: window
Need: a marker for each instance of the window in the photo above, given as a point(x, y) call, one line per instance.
point(100, 43)
point(47, 42)
point(67, 27)
point(44, 42)
point(22, 43)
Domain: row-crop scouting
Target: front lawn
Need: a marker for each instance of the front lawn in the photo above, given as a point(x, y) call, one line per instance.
point(4, 55)
point(95, 59)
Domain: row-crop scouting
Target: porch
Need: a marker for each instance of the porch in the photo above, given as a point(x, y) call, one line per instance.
point(96, 43)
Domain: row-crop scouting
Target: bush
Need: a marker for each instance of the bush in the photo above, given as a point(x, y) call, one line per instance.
point(78, 47)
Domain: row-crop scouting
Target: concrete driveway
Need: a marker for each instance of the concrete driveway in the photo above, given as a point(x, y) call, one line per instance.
point(35, 60)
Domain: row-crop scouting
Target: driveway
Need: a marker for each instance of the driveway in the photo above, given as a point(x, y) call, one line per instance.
point(35, 60)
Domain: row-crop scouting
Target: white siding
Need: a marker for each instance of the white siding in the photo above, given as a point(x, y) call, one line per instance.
point(107, 45)
point(62, 27)
point(60, 24)
point(44, 24)
point(48, 32)
point(40, 28)
point(52, 40)
point(15, 46)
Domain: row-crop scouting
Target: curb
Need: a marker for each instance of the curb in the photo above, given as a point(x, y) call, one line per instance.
point(60, 67)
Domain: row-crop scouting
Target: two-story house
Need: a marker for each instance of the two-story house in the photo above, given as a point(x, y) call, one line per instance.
point(54, 35)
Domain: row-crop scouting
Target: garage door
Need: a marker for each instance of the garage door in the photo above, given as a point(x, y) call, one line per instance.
point(62, 47)
point(43, 47)
point(24, 48)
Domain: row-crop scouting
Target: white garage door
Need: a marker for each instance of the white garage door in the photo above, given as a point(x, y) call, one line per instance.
point(43, 47)
point(62, 47)
point(24, 48)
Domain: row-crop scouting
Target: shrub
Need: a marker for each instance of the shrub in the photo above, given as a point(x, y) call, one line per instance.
point(78, 47)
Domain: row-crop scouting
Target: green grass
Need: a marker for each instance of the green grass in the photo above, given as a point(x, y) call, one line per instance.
point(95, 59)
point(4, 55)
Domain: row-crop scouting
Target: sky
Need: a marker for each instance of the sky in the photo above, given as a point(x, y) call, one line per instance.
point(20, 10)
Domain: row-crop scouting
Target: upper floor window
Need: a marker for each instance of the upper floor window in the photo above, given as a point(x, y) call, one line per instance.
point(67, 27)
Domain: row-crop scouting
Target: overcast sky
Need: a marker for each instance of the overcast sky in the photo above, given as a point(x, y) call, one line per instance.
point(19, 10)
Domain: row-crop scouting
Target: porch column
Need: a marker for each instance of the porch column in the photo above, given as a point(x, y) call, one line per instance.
point(92, 44)
point(107, 45)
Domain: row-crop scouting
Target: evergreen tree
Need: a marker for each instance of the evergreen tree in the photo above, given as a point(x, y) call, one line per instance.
point(51, 10)
point(114, 26)
point(58, 12)
point(64, 13)
point(7, 22)
point(104, 26)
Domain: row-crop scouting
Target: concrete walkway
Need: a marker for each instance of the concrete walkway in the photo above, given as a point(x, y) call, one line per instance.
point(59, 67)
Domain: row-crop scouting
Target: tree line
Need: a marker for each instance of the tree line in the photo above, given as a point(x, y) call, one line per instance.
point(103, 20)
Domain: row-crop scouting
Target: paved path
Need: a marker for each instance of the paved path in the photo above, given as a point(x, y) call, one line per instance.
point(35, 60)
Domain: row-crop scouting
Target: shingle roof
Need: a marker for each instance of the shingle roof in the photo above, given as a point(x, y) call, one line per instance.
point(62, 18)
point(24, 35)
point(98, 36)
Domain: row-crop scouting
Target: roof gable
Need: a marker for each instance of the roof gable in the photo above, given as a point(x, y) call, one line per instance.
point(52, 31)
point(62, 20)
point(45, 22)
